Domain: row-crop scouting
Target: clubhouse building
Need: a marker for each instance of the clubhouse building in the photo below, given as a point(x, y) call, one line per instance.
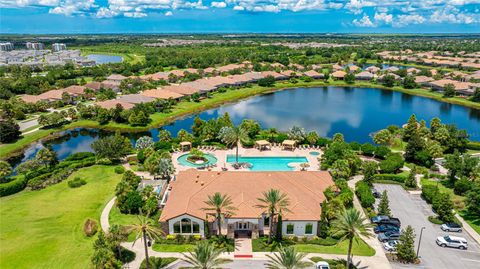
point(184, 212)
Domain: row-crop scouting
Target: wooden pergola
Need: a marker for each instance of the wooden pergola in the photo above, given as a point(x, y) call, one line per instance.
point(186, 145)
point(262, 145)
point(289, 144)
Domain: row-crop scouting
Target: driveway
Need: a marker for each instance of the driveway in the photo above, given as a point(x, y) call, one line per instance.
point(412, 210)
point(236, 264)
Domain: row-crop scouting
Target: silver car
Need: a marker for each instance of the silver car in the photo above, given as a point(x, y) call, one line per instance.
point(452, 241)
point(451, 227)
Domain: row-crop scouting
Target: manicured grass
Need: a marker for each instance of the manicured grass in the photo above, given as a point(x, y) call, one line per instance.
point(7, 149)
point(44, 229)
point(173, 247)
point(360, 248)
point(471, 219)
point(116, 217)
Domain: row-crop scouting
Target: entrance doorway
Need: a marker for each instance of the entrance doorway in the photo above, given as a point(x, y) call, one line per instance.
point(243, 229)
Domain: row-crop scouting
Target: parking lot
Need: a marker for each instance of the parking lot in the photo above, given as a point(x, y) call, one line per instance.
point(412, 210)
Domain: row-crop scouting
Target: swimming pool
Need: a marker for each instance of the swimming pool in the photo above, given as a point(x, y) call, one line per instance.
point(268, 163)
point(211, 160)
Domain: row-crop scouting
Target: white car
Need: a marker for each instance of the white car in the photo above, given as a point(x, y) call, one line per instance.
point(390, 246)
point(322, 265)
point(452, 241)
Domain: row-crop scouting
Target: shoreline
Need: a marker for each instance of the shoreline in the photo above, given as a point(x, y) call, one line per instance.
point(185, 108)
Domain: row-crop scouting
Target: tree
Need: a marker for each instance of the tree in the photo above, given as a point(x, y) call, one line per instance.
point(349, 225)
point(392, 163)
point(183, 135)
point(406, 245)
point(103, 256)
point(449, 90)
point(46, 157)
point(274, 203)
point(340, 169)
point(205, 255)
point(164, 135)
point(156, 263)
point(453, 162)
point(312, 138)
point(409, 82)
point(146, 230)
point(476, 95)
point(143, 143)
point(383, 206)
point(296, 133)
point(266, 82)
point(349, 78)
point(221, 204)
point(410, 129)
point(138, 118)
point(383, 137)
point(473, 199)
point(287, 258)
point(251, 127)
point(103, 116)
point(5, 170)
point(9, 130)
point(112, 147)
point(388, 80)
point(52, 119)
point(233, 136)
point(411, 181)
point(443, 205)
point(369, 170)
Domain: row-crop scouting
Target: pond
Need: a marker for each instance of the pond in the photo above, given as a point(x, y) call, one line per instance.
point(105, 59)
point(355, 112)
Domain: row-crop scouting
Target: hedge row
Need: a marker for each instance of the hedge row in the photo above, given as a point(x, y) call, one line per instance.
point(473, 145)
point(391, 177)
point(364, 194)
point(13, 186)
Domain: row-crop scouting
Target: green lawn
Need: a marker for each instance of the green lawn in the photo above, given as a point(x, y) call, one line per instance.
point(173, 247)
point(44, 229)
point(457, 199)
point(116, 217)
point(360, 248)
point(473, 220)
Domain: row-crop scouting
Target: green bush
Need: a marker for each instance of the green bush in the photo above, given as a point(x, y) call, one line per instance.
point(119, 170)
point(104, 161)
point(364, 193)
point(162, 262)
point(473, 145)
point(390, 177)
point(429, 192)
point(79, 156)
point(14, 186)
point(462, 186)
point(435, 220)
point(392, 163)
point(76, 182)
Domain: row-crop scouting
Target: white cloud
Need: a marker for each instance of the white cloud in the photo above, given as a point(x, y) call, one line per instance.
point(404, 20)
point(364, 22)
point(452, 15)
point(238, 8)
point(383, 18)
point(135, 14)
point(104, 12)
point(219, 4)
point(168, 13)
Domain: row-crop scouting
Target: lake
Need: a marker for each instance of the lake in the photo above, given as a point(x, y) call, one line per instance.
point(105, 59)
point(355, 112)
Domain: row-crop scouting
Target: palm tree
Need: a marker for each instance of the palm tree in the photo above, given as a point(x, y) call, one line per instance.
point(5, 169)
point(157, 263)
point(274, 202)
point(144, 228)
point(222, 205)
point(233, 136)
point(287, 258)
point(205, 256)
point(350, 225)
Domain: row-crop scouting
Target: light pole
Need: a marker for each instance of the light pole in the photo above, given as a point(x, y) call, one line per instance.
point(420, 241)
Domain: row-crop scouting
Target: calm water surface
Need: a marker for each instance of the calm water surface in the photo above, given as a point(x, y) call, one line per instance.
point(355, 112)
point(105, 59)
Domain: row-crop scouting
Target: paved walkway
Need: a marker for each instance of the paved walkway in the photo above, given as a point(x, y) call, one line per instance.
point(243, 248)
point(104, 220)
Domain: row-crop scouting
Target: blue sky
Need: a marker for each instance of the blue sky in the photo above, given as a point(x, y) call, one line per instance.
point(258, 16)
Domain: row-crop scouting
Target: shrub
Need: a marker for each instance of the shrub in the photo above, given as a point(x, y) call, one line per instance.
point(76, 182)
point(158, 261)
point(90, 227)
point(79, 156)
point(382, 152)
point(392, 163)
point(104, 161)
point(355, 146)
point(429, 192)
point(14, 186)
point(368, 149)
point(473, 145)
point(462, 186)
point(119, 170)
point(390, 177)
point(434, 220)
point(364, 194)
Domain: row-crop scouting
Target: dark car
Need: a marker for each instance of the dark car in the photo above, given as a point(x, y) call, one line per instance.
point(386, 228)
point(379, 218)
point(390, 221)
point(388, 236)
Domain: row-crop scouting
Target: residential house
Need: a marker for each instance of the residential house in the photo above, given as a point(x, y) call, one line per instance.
point(184, 212)
point(423, 80)
point(135, 99)
point(94, 85)
point(109, 104)
point(314, 74)
point(372, 69)
point(162, 94)
point(339, 74)
point(365, 75)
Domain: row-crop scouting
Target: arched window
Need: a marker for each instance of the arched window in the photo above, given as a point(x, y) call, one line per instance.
point(195, 227)
point(186, 226)
point(176, 227)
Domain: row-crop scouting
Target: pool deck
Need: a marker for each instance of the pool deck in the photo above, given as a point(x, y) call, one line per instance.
point(221, 156)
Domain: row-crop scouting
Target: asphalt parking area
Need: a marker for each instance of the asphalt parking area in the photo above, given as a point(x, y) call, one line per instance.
point(413, 210)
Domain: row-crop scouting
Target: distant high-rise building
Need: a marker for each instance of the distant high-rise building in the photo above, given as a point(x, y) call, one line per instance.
point(35, 46)
point(59, 46)
point(6, 46)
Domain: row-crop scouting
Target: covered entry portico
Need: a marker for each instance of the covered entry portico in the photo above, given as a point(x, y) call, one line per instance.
point(243, 227)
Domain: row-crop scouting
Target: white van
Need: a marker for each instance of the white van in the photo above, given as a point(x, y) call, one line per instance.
point(322, 265)
point(452, 241)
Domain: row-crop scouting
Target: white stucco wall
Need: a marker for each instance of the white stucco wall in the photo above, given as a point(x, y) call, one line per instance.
point(193, 219)
point(299, 228)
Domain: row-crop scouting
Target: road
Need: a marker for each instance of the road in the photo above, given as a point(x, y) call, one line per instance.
point(236, 264)
point(412, 210)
